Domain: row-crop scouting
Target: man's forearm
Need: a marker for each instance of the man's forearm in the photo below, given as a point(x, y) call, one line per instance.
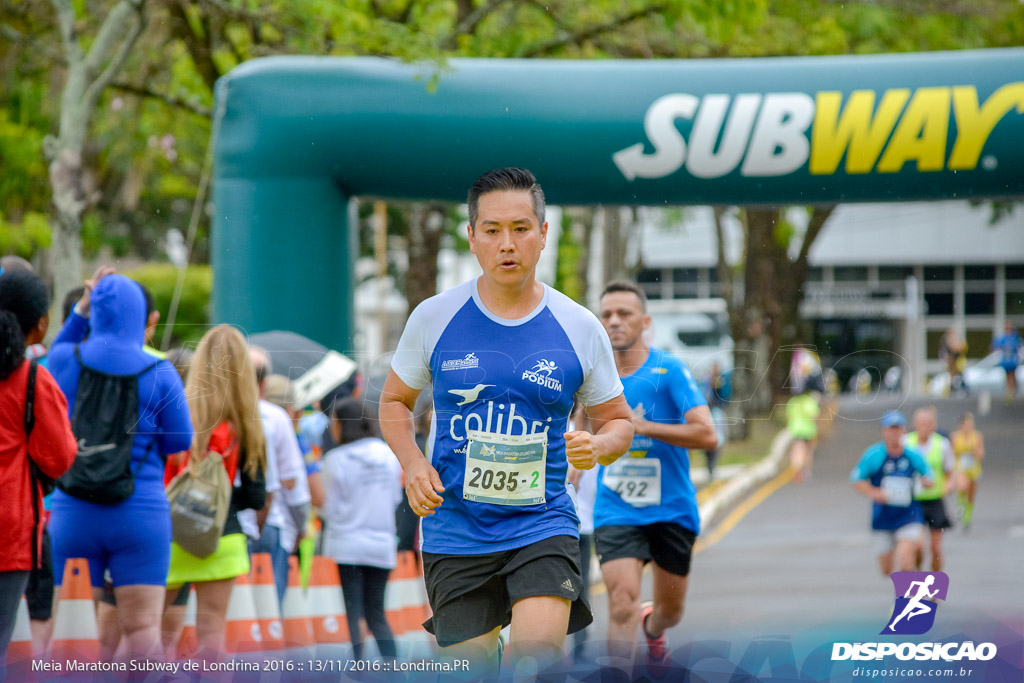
point(695, 435)
point(396, 426)
point(615, 436)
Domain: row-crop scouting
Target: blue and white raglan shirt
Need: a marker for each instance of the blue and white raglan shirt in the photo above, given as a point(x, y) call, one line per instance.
point(896, 477)
point(506, 378)
point(665, 391)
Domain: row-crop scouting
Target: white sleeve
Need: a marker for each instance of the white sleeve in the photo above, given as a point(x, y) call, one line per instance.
point(411, 361)
point(601, 381)
point(948, 459)
point(273, 480)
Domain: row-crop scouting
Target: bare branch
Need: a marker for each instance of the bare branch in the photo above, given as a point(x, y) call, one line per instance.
point(198, 46)
point(591, 32)
point(819, 216)
point(108, 31)
point(470, 22)
point(68, 35)
point(169, 100)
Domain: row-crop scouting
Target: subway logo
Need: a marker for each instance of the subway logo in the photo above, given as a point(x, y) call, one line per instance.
point(775, 134)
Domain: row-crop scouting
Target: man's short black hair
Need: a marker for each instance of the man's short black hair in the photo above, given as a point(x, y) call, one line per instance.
point(626, 286)
point(148, 296)
point(506, 179)
point(70, 299)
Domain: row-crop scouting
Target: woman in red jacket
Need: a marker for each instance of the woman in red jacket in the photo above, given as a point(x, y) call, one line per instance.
point(50, 445)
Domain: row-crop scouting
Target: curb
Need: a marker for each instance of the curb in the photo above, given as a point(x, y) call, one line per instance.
point(751, 476)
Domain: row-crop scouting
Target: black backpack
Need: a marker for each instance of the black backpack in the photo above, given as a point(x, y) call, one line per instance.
point(103, 421)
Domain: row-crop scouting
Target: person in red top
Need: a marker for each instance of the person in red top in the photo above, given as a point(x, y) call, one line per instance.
point(50, 445)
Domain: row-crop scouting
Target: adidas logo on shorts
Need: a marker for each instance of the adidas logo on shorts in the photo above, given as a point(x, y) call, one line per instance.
point(567, 585)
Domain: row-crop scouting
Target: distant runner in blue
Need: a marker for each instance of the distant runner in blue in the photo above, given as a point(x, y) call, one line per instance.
point(1009, 345)
point(886, 474)
point(646, 506)
point(506, 357)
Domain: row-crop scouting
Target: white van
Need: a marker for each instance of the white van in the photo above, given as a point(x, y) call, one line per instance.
point(694, 330)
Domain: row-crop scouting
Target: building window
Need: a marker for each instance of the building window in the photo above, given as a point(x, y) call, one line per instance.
point(979, 272)
point(815, 274)
point(978, 342)
point(894, 273)
point(1015, 271)
point(938, 273)
point(850, 274)
point(1015, 303)
point(933, 341)
point(939, 303)
point(648, 276)
point(684, 275)
point(979, 303)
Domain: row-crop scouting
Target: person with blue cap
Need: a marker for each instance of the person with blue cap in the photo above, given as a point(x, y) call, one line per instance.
point(885, 474)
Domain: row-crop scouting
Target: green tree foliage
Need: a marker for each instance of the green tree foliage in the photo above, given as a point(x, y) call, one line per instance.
point(151, 129)
point(191, 320)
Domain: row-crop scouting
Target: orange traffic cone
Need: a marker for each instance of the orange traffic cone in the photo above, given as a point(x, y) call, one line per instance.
point(264, 592)
point(20, 647)
point(327, 611)
point(406, 597)
point(74, 629)
point(243, 633)
point(298, 629)
point(188, 643)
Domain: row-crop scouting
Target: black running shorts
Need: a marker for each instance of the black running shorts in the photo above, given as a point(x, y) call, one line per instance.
point(669, 545)
point(471, 595)
point(935, 514)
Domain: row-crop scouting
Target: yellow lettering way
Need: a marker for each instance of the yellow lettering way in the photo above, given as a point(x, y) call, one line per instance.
point(974, 124)
point(921, 134)
point(853, 131)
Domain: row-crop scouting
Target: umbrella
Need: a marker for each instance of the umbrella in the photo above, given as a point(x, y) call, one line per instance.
point(314, 369)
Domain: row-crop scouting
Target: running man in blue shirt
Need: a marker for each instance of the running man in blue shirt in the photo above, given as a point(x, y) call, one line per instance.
point(885, 474)
point(646, 507)
point(506, 356)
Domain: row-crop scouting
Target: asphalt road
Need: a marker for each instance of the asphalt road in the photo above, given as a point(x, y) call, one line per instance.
point(801, 561)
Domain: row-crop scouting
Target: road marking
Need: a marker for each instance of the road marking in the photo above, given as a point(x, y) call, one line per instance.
point(732, 519)
point(744, 508)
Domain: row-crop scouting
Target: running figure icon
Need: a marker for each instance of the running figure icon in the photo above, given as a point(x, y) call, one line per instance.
point(916, 606)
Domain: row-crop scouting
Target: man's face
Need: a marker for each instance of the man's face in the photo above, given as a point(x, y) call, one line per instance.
point(891, 436)
point(924, 424)
point(507, 238)
point(623, 317)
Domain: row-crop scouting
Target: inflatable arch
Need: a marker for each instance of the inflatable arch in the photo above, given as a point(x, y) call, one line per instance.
point(296, 137)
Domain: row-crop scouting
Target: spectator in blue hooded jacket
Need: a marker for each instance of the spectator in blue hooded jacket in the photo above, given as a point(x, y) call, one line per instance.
point(131, 538)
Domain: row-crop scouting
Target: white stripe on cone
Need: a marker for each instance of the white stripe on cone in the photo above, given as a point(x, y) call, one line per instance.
point(75, 620)
point(325, 601)
point(242, 606)
point(402, 593)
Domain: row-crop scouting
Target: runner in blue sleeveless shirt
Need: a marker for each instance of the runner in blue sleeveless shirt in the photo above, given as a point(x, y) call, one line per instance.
point(646, 507)
point(505, 356)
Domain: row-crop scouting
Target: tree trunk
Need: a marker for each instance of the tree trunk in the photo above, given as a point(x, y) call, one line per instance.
point(66, 181)
point(426, 228)
point(616, 228)
point(89, 74)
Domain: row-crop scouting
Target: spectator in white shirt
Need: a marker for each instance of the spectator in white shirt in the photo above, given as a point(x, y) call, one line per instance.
point(364, 486)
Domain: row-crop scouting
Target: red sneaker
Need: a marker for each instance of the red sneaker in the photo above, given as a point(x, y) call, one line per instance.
point(657, 652)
